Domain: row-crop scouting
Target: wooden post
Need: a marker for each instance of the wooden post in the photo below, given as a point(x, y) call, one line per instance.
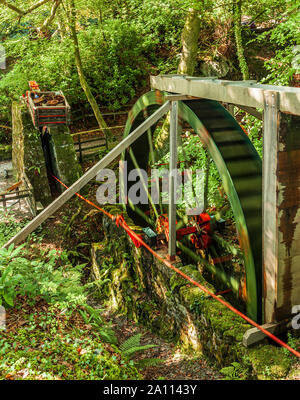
point(206, 179)
point(270, 226)
point(80, 151)
point(281, 211)
point(4, 202)
point(19, 199)
point(172, 179)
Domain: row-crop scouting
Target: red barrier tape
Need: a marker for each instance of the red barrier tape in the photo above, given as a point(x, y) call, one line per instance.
point(120, 222)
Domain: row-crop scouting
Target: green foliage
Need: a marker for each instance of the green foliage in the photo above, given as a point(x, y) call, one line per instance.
point(8, 228)
point(116, 54)
point(92, 316)
point(49, 276)
point(293, 343)
point(254, 128)
point(49, 348)
point(115, 69)
point(238, 39)
point(285, 38)
point(234, 372)
point(194, 154)
point(132, 345)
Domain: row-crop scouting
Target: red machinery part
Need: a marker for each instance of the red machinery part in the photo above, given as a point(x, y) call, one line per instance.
point(200, 231)
point(34, 87)
point(203, 239)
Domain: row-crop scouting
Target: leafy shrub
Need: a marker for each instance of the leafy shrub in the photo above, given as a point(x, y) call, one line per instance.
point(53, 344)
point(114, 68)
point(44, 277)
point(8, 228)
point(285, 37)
point(235, 371)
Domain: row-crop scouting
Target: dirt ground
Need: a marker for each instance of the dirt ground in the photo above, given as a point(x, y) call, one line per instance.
point(173, 365)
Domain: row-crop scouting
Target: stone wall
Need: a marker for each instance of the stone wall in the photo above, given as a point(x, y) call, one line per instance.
point(65, 164)
point(132, 280)
point(27, 153)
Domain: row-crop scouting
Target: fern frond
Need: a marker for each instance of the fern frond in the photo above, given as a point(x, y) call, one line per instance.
point(130, 352)
point(133, 341)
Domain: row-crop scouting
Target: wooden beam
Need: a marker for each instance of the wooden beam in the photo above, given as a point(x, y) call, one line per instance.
point(281, 210)
point(270, 228)
point(254, 335)
point(21, 12)
point(242, 93)
point(90, 174)
point(251, 111)
point(177, 97)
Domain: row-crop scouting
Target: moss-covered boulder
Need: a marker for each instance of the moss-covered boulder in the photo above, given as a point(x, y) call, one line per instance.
point(27, 153)
point(28, 156)
point(63, 155)
point(269, 362)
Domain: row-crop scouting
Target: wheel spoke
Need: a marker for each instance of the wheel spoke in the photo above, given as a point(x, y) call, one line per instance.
point(143, 182)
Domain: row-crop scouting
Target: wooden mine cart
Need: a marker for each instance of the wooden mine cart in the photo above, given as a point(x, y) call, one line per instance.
point(48, 108)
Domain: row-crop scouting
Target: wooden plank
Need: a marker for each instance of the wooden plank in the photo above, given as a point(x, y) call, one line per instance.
point(251, 95)
point(270, 225)
point(90, 174)
point(97, 130)
point(288, 187)
point(254, 335)
point(177, 97)
point(281, 205)
point(251, 111)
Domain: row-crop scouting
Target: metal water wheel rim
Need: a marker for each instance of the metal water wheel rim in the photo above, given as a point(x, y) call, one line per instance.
point(216, 139)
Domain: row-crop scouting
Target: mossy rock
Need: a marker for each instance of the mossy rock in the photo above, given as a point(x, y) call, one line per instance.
point(64, 160)
point(269, 362)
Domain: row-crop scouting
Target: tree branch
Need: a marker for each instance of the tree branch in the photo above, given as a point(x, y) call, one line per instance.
point(12, 7)
point(37, 5)
point(21, 12)
point(49, 19)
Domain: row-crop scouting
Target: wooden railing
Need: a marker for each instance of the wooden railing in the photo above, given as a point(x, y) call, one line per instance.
point(18, 191)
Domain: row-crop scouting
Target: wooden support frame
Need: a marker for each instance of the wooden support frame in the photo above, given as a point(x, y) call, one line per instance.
point(254, 336)
point(281, 210)
point(281, 177)
point(244, 93)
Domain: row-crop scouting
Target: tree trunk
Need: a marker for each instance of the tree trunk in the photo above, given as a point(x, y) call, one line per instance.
point(84, 84)
point(188, 61)
point(237, 13)
point(189, 40)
